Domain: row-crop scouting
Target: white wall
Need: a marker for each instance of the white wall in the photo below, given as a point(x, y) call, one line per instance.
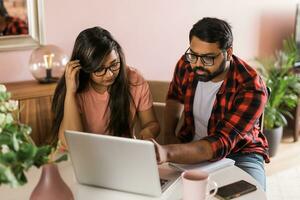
point(154, 33)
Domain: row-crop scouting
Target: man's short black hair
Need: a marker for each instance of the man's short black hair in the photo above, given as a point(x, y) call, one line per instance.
point(213, 30)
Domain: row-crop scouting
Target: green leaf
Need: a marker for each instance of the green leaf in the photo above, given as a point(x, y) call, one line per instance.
point(8, 158)
point(4, 139)
point(15, 142)
point(21, 177)
point(12, 128)
point(27, 152)
point(42, 155)
point(282, 120)
point(284, 85)
point(64, 157)
point(18, 171)
point(288, 114)
point(9, 176)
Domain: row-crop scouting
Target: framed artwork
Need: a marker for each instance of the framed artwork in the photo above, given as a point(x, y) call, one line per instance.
point(24, 24)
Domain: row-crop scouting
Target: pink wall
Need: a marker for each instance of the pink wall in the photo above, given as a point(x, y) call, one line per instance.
point(155, 33)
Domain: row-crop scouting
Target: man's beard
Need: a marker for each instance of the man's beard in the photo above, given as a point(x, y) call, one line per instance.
point(207, 76)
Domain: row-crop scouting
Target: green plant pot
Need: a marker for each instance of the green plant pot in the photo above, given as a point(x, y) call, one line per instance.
point(274, 137)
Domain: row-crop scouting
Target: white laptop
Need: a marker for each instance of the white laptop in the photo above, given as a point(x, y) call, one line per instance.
point(118, 163)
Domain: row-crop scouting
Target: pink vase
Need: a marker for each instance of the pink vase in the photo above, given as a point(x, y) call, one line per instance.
point(51, 186)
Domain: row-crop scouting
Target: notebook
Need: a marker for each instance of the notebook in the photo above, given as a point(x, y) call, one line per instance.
point(118, 163)
point(205, 166)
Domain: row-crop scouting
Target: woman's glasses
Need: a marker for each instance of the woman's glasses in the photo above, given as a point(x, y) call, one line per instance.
point(207, 60)
point(113, 68)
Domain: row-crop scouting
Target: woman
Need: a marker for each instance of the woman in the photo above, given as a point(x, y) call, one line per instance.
point(99, 93)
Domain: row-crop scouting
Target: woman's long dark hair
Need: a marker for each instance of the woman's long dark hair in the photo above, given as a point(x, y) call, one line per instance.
point(91, 47)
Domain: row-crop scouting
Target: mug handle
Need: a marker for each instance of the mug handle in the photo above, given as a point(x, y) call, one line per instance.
point(213, 186)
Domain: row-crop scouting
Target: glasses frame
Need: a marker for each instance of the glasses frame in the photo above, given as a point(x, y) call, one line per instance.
point(97, 72)
point(201, 57)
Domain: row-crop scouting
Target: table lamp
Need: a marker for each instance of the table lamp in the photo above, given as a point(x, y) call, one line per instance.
point(47, 63)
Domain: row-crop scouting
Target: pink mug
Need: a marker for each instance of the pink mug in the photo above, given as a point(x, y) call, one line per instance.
point(197, 185)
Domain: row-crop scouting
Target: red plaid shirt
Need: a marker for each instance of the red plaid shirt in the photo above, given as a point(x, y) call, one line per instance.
point(233, 124)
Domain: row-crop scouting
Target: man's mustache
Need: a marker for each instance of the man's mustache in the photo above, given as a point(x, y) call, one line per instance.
point(199, 68)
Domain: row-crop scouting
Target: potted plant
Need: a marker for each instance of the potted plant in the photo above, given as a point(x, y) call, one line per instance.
point(284, 85)
point(18, 152)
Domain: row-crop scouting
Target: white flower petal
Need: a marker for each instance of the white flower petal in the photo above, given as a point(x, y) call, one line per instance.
point(4, 148)
point(2, 88)
point(9, 118)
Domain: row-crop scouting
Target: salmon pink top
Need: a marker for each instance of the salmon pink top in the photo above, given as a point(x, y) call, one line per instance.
point(94, 109)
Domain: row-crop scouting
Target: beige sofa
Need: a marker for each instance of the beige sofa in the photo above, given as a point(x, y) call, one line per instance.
point(159, 91)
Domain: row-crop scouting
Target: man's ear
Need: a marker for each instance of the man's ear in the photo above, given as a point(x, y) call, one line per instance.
point(229, 53)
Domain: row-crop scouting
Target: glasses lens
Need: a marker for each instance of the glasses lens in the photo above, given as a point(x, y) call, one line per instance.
point(191, 58)
point(100, 72)
point(208, 60)
point(115, 66)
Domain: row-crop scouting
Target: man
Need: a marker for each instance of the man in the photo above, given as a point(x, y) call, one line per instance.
point(222, 98)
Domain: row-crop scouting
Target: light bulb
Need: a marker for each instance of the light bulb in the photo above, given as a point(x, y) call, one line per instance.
point(47, 63)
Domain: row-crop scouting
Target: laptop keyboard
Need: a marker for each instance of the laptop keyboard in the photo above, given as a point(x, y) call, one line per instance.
point(163, 182)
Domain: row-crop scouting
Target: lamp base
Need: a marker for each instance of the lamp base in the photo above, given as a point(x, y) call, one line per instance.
point(49, 78)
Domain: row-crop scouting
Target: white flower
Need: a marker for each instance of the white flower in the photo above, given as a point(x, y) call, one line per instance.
point(12, 105)
point(4, 148)
point(6, 119)
point(2, 88)
point(9, 118)
point(2, 108)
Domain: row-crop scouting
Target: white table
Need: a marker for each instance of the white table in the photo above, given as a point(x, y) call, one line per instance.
point(81, 192)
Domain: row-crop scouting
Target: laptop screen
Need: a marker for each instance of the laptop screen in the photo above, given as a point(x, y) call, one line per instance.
point(114, 162)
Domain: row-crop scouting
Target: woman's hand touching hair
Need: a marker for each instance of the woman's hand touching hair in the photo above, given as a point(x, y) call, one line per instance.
point(71, 76)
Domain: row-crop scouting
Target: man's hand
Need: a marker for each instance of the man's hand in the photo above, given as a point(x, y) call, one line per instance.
point(187, 153)
point(161, 152)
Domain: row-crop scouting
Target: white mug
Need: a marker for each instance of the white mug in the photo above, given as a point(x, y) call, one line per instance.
point(197, 185)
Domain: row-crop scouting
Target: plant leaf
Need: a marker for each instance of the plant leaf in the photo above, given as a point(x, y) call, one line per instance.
point(41, 156)
point(15, 142)
point(63, 157)
point(9, 176)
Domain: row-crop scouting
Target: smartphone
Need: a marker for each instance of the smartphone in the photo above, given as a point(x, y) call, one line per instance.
point(235, 189)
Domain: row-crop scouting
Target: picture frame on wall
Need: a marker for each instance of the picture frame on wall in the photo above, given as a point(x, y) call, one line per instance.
point(33, 15)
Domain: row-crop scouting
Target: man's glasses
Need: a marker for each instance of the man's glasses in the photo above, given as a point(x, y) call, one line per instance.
point(113, 68)
point(207, 60)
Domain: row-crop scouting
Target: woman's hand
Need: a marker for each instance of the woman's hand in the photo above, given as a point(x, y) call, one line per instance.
point(146, 134)
point(71, 75)
point(149, 125)
point(161, 152)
